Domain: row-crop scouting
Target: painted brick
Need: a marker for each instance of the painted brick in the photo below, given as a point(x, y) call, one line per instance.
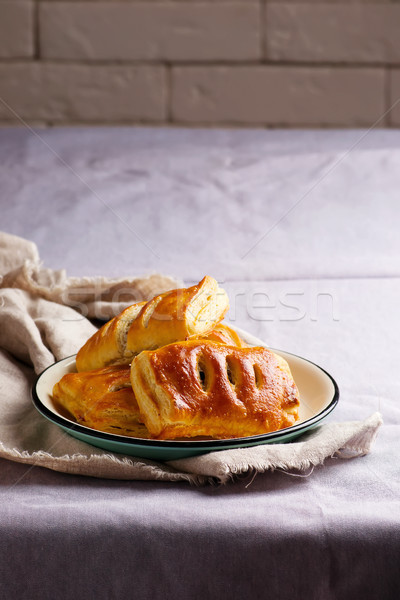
point(150, 31)
point(341, 33)
point(201, 1)
point(275, 95)
point(62, 92)
point(16, 29)
point(333, 1)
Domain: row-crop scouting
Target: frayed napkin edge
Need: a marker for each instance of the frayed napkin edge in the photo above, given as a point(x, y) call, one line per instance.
point(132, 468)
point(71, 464)
point(356, 446)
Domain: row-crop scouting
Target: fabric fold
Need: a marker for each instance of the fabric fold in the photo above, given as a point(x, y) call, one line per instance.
point(334, 440)
point(93, 297)
point(44, 318)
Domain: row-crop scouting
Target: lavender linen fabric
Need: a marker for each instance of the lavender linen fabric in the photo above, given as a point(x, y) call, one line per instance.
point(38, 328)
point(301, 229)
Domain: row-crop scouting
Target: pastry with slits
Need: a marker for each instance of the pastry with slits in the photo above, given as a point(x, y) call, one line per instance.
point(205, 388)
point(176, 315)
point(102, 399)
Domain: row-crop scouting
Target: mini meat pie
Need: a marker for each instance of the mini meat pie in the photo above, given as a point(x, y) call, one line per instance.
point(205, 388)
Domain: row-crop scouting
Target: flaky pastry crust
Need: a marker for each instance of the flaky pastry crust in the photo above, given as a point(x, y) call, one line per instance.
point(102, 399)
point(204, 388)
point(224, 334)
point(176, 315)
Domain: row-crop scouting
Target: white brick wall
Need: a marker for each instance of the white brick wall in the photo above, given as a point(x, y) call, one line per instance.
point(365, 33)
point(73, 92)
point(151, 31)
point(203, 62)
point(277, 95)
point(16, 29)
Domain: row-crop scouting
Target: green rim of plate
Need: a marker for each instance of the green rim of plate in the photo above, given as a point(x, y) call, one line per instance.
point(97, 438)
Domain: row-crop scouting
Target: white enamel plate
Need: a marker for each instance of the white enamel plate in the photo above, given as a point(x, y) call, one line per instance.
point(319, 394)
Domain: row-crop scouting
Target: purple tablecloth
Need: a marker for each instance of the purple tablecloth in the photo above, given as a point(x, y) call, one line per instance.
point(302, 229)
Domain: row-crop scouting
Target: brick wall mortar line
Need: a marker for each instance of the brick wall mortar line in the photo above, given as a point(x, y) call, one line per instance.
point(169, 66)
point(168, 93)
point(263, 30)
point(36, 31)
point(387, 96)
point(202, 64)
point(180, 124)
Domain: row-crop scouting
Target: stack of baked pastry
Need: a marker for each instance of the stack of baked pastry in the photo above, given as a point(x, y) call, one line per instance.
point(170, 369)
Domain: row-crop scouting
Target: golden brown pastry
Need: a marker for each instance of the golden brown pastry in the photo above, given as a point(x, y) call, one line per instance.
point(176, 315)
point(101, 399)
point(203, 388)
point(107, 346)
point(225, 335)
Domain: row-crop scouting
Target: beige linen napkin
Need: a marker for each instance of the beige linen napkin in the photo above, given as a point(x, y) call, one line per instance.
point(40, 323)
